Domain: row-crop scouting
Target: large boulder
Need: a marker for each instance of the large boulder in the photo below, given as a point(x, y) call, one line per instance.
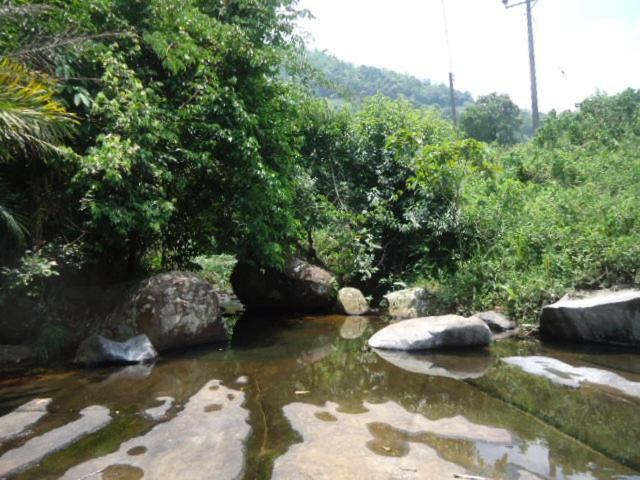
point(175, 310)
point(96, 350)
point(603, 316)
point(352, 302)
point(427, 333)
point(300, 287)
point(408, 303)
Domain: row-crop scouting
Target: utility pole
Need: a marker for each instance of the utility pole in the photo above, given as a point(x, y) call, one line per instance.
point(452, 99)
point(535, 114)
point(452, 92)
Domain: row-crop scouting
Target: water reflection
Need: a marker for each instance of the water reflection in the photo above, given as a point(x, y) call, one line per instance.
point(562, 373)
point(397, 420)
point(456, 365)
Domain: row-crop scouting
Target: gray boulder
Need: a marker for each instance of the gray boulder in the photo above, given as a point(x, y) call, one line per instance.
point(352, 302)
point(175, 310)
point(408, 303)
point(96, 350)
point(300, 287)
point(427, 333)
point(496, 321)
point(603, 316)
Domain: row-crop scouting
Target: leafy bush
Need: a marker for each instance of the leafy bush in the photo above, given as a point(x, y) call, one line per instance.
point(561, 214)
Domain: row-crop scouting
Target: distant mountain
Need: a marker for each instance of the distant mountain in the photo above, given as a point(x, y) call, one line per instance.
point(345, 81)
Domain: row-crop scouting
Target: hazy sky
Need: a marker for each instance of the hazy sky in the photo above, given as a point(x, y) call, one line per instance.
point(581, 45)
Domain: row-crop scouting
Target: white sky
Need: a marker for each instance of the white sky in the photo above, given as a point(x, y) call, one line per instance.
point(581, 45)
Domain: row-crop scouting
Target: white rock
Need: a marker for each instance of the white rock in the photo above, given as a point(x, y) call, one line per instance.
point(447, 331)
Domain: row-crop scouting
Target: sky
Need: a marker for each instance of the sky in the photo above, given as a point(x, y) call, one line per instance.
point(582, 46)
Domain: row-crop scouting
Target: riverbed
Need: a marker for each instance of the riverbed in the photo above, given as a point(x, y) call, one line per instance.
point(305, 398)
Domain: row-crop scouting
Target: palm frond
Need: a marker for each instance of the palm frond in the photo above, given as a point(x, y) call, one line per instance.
point(30, 116)
point(12, 222)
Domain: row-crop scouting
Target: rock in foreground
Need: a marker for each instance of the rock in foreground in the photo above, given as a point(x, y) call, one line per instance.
point(427, 333)
point(602, 316)
point(175, 310)
point(300, 287)
point(96, 350)
point(408, 303)
point(352, 302)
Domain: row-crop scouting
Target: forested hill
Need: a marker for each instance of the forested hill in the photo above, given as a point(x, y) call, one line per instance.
point(343, 80)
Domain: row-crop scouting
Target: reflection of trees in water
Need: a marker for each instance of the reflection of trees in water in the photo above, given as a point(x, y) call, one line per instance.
point(604, 422)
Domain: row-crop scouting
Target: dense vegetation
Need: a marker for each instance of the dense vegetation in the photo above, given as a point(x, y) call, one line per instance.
point(154, 134)
point(342, 80)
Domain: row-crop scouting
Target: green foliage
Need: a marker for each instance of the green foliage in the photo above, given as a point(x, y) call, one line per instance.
point(560, 214)
point(217, 269)
point(50, 341)
point(344, 81)
point(493, 118)
point(390, 175)
point(29, 276)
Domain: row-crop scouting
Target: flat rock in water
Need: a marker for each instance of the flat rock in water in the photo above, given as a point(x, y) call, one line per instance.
point(204, 440)
point(602, 316)
point(14, 423)
point(427, 333)
point(35, 449)
point(97, 349)
point(459, 367)
point(408, 303)
point(386, 442)
point(496, 321)
point(352, 302)
point(564, 374)
point(354, 327)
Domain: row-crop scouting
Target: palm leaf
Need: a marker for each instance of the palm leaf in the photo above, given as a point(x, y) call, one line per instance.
point(12, 222)
point(30, 117)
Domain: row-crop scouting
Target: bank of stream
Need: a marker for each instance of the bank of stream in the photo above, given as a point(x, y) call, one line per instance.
point(305, 397)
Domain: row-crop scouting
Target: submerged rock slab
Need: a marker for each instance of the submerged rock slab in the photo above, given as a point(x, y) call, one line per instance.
point(205, 440)
point(427, 333)
point(14, 423)
point(602, 316)
point(408, 303)
point(564, 374)
point(354, 327)
point(91, 419)
point(386, 442)
point(96, 350)
point(352, 302)
point(459, 367)
point(156, 413)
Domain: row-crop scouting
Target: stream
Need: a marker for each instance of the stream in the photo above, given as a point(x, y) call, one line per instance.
point(305, 398)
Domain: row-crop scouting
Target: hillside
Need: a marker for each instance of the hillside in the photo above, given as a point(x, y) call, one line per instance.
point(343, 80)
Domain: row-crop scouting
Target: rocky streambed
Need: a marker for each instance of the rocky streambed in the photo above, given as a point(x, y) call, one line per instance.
point(306, 397)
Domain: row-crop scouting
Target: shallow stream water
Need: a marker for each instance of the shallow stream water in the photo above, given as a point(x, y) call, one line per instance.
point(304, 398)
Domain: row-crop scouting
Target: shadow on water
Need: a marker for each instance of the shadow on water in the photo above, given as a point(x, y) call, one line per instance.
point(321, 404)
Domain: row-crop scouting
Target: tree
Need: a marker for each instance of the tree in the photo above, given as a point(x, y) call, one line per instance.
point(493, 118)
point(31, 121)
